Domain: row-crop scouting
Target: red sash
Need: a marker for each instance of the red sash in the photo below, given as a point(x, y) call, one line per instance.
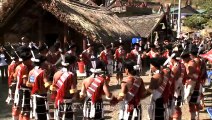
point(183, 73)
point(164, 88)
point(133, 54)
point(86, 57)
point(103, 57)
point(62, 79)
point(92, 90)
point(195, 76)
point(172, 80)
point(62, 85)
point(152, 54)
point(22, 70)
point(133, 96)
point(38, 80)
point(133, 90)
point(119, 55)
point(11, 69)
point(163, 85)
point(166, 54)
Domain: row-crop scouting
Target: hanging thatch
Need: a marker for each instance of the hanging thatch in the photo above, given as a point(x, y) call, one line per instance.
point(94, 22)
point(145, 24)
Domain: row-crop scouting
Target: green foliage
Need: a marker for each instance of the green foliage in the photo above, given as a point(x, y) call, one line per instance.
point(205, 4)
point(195, 21)
point(209, 23)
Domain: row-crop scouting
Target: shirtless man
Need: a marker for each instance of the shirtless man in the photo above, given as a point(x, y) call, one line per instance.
point(64, 87)
point(38, 82)
point(92, 91)
point(11, 79)
point(86, 57)
point(191, 93)
point(107, 57)
point(132, 91)
point(22, 93)
point(119, 59)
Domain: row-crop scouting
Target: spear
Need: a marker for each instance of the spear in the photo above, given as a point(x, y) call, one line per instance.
point(16, 52)
point(88, 43)
point(200, 47)
point(7, 53)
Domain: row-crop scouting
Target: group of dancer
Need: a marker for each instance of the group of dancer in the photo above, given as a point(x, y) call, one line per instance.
point(177, 76)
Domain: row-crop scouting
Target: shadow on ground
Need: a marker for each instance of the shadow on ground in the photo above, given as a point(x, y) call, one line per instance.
point(5, 110)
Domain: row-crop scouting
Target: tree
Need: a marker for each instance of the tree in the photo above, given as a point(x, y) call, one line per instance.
point(195, 21)
point(209, 23)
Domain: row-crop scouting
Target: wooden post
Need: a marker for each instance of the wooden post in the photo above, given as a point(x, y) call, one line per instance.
point(40, 30)
point(1, 37)
point(84, 43)
point(65, 38)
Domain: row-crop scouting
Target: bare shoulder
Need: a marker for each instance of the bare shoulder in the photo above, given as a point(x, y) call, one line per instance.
point(30, 72)
point(127, 79)
point(57, 74)
point(157, 76)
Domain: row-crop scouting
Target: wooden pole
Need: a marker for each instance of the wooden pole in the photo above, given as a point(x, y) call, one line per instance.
point(2, 37)
point(40, 30)
point(179, 19)
point(84, 44)
point(65, 33)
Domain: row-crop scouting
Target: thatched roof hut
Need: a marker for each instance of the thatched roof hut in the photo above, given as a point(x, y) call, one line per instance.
point(94, 22)
point(146, 24)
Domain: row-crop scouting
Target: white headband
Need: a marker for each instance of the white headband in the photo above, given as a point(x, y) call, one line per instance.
point(35, 60)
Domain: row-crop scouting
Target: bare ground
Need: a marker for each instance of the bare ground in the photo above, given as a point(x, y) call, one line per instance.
point(111, 112)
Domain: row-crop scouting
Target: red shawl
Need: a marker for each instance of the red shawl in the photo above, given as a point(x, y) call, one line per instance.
point(38, 81)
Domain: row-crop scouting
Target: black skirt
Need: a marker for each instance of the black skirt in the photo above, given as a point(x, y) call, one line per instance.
point(66, 109)
point(194, 97)
point(98, 110)
point(41, 108)
point(159, 109)
point(24, 104)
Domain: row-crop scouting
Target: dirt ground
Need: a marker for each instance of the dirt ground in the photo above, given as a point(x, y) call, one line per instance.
point(111, 112)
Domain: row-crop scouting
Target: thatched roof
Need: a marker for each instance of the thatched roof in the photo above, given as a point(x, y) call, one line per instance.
point(187, 10)
point(145, 24)
point(7, 8)
point(93, 22)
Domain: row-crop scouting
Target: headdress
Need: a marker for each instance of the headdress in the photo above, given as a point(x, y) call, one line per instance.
point(16, 53)
point(157, 62)
point(33, 59)
point(42, 47)
point(24, 53)
point(67, 59)
point(120, 41)
point(185, 54)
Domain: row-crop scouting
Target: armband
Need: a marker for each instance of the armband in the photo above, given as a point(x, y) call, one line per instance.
point(121, 94)
point(82, 94)
point(24, 76)
point(72, 91)
point(109, 98)
point(46, 84)
point(28, 84)
point(52, 88)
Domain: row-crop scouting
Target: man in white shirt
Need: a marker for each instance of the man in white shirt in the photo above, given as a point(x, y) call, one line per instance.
point(3, 66)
